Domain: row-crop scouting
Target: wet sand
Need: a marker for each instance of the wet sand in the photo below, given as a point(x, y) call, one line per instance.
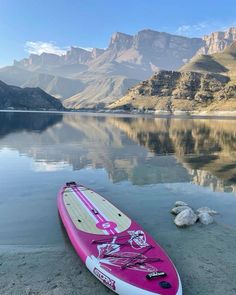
point(204, 255)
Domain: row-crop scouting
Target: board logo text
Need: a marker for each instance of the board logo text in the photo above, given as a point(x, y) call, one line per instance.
point(104, 279)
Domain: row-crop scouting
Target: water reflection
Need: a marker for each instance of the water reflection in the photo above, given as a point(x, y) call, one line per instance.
point(11, 122)
point(206, 148)
point(141, 150)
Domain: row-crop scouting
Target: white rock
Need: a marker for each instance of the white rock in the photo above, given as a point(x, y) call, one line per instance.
point(205, 218)
point(206, 210)
point(180, 203)
point(177, 210)
point(185, 218)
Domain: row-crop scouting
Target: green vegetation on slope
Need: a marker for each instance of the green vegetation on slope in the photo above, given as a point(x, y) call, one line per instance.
point(223, 63)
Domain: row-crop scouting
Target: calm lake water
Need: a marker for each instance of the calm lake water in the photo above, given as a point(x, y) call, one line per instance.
point(143, 165)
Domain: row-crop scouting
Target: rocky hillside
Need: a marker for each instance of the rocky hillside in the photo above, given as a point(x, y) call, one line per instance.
point(173, 91)
point(223, 63)
point(83, 78)
point(207, 83)
point(12, 97)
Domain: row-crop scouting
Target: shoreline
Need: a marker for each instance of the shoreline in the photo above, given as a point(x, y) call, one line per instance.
point(203, 255)
point(156, 114)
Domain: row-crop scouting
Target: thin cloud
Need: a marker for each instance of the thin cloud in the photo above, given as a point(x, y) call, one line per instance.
point(187, 30)
point(224, 28)
point(202, 28)
point(39, 47)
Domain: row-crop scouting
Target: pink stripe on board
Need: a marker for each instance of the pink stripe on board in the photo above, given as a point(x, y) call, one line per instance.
point(87, 203)
point(99, 216)
point(90, 206)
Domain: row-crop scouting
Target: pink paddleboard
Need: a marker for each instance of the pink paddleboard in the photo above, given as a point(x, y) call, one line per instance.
point(115, 248)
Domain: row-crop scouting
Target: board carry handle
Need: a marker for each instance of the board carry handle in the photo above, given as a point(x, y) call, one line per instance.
point(156, 274)
point(71, 183)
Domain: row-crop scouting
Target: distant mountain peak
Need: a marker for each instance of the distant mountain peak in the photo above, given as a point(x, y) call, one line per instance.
point(77, 49)
point(150, 32)
point(120, 41)
point(77, 55)
point(118, 35)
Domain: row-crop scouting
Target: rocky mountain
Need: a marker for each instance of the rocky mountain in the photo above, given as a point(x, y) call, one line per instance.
point(217, 41)
point(148, 48)
point(13, 97)
point(58, 86)
point(207, 83)
point(88, 79)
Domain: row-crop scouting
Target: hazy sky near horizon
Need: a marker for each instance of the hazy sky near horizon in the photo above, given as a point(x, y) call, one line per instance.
point(34, 26)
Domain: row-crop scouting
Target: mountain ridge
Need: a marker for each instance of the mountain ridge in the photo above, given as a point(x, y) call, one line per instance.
point(206, 84)
point(128, 59)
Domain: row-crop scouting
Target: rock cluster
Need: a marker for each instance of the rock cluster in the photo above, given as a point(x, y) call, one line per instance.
point(183, 85)
point(185, 216)
point(178, 91)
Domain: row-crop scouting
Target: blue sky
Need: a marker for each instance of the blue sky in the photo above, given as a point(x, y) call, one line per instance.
point(53, 25)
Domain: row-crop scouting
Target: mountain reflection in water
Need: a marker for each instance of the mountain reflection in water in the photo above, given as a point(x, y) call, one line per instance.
point(141, 150)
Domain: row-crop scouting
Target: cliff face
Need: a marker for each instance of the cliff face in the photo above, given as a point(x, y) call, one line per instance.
point(162, 50)
point(217, 41)
point(100, 76)
point(153, 49)
point(12, 97)
point(72, 56)
point(147, 47)
point(93, 78)
point(120, 41)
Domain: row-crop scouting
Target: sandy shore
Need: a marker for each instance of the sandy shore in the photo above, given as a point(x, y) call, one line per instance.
point(45, 271)
point(205, 258)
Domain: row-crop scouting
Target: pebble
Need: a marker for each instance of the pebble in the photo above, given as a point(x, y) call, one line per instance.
point(180, 203)
point(205, 218)
point(206, 210)
point(177, 210)
point(185, 218)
